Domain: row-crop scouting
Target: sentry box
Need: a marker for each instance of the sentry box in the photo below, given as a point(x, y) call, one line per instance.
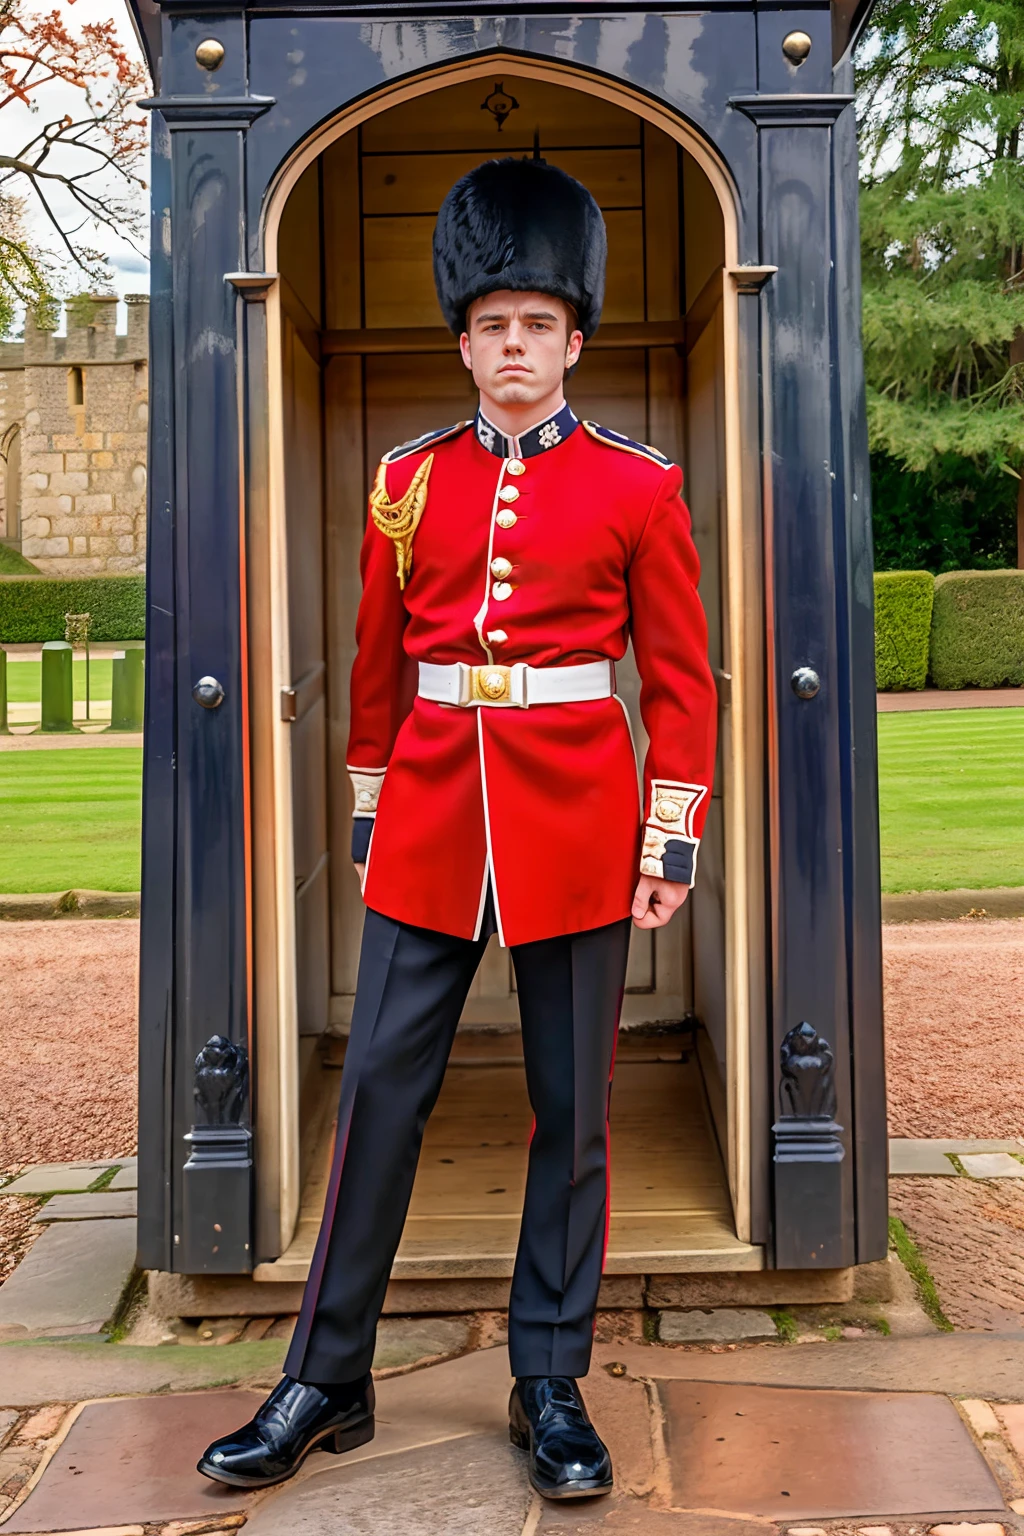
point(300, 156)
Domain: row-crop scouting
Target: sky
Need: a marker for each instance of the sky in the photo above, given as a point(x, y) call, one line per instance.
point(130, 268)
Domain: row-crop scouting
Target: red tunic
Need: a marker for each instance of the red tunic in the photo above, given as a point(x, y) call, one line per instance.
point(543, 800)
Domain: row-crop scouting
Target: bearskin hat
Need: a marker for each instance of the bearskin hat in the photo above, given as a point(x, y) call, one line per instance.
point(522, 225)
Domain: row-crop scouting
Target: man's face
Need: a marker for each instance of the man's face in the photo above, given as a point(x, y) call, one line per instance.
point(518, 345)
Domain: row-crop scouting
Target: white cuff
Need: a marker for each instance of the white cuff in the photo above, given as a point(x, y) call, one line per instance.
point(673, 805)
point(366, 787)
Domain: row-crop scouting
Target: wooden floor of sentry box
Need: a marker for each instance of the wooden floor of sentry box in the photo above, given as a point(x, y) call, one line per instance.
point(670, 1205)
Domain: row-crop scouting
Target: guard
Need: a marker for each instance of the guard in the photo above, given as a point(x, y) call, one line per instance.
point(506, 564)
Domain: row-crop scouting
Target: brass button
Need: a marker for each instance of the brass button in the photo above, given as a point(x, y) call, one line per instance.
point(516, 467)
point(506, 519)
point(668, 810)
point(501, 567)
point(508, 493)
point(500, 591)
point(496, 637)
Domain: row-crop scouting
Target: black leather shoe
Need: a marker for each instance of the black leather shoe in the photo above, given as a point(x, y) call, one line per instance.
point(547, 1418)
point(293, 1421)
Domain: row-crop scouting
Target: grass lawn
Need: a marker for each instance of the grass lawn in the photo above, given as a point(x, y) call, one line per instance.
point(23, 681)
point(952, 799)
point(69, 819)
point(952, 803)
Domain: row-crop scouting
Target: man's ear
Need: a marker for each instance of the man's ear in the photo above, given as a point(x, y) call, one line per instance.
point(464, 348)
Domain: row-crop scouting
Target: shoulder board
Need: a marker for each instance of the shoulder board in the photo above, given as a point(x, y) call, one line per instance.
point(616, 440)
point(415, 444)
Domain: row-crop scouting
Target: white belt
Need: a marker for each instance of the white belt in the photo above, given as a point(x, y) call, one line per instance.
point(519, 686)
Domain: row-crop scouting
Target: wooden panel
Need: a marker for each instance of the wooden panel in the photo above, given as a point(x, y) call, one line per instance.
point(611, 387)
point(669, 1206)
point(343, 291)
point(299, 240)
point(409, 395)
point(345, 504)
point(703, 231)
point(661, 224)
point(303, 424)
point(399, 282)
point(417, 183)
point(454, 119)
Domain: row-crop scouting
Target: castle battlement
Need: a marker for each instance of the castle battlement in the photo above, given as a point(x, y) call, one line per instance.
point(73, 412)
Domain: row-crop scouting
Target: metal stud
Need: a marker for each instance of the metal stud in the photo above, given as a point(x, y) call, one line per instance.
point(208, 692)
point(805, 682)
point(210, 54)
point(506, 519)
point(796, 46)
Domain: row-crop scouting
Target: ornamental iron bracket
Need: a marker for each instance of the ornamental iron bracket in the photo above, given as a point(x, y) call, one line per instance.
point(217, 1194)
point(808, 1156)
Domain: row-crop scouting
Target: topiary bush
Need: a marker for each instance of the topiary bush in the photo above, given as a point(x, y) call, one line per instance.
point(32, 608)
point(903, 614)
point(977, 638)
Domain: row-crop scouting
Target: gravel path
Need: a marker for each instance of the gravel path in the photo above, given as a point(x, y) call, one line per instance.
point(954, 998)
point(954, 1013)
point(67, 1040)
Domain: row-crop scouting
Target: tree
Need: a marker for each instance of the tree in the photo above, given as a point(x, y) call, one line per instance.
point(941, 93)
point(74, 170)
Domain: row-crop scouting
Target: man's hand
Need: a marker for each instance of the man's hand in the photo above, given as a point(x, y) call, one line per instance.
point(360, 870)
point(656, 900)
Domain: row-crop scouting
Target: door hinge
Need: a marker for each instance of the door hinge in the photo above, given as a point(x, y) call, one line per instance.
point(289, 704)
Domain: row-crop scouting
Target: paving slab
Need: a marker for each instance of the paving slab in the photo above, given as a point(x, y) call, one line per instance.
point(719, 1326)
point(475, 1486)
point(125, 1178)
point(47, 1372)
point(907, 1156)
point(70, 1281)
point(55, 1178)
point(8, 1419)
point(632, 1517)
point(133, 1459)
point(987, 1365)
point(404, 1340)
point(771, 1452)
point(992, 1165)
point(111, 1203)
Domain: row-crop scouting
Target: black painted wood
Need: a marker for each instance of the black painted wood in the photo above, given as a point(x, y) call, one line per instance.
point(211, 928)
point(288, 69)
point(157, 1018)
point(812, 1227)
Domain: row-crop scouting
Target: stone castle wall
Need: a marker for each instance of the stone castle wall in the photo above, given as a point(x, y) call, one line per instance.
point(80, 402)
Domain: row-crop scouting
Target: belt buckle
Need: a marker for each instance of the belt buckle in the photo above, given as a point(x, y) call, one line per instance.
point(490, 684)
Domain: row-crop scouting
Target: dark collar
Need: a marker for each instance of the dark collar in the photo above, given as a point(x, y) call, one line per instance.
point(546, 434)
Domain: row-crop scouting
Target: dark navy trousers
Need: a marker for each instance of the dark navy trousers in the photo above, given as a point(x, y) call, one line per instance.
point(411, 989)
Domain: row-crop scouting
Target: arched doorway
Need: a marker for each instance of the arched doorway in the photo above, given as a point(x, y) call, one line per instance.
point(358, 361)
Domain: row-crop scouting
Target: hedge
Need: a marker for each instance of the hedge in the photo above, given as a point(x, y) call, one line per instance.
point(977, 636)
point(903, 612)
point(32, 608)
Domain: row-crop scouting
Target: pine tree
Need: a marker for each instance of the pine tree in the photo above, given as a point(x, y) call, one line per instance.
point(941, 93)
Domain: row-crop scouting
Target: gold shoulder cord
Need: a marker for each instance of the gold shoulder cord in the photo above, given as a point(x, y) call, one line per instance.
point(398, 520)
